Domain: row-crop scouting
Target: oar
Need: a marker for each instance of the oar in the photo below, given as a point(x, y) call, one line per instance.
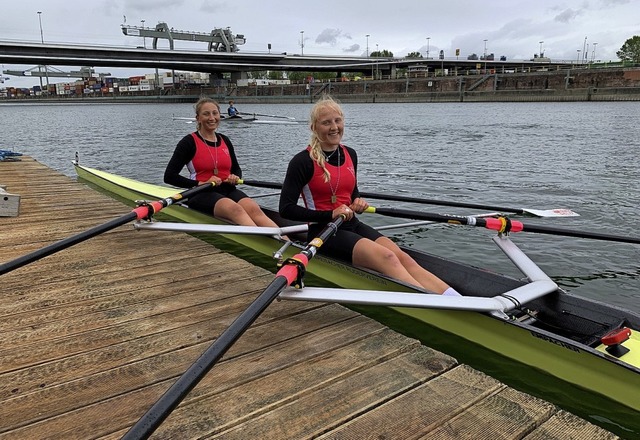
point(499, 224)
point(267, 116)
point(143, 211)
point(290, 273)
point(396, 198)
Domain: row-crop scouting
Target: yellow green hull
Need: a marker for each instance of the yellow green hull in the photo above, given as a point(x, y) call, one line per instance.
point(587, 366)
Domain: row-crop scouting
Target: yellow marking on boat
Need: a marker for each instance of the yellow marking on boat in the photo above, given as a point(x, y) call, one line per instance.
point(633, 344)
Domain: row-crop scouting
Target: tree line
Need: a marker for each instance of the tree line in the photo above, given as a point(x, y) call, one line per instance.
point(630, 52)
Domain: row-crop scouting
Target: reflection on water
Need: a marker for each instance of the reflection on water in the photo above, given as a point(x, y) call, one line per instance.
point(578, 280)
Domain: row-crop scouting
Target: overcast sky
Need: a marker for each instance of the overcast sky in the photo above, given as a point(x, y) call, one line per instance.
point(512, 28)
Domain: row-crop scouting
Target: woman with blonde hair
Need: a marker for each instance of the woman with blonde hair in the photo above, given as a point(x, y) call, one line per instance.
point(324, 174)
point(210, 157)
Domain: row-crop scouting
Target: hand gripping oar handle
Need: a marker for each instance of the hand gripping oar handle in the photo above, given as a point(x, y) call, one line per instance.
point(287, 275)
point(501, 224)
point(145, 210)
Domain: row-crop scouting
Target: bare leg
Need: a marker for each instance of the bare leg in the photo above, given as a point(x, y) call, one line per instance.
point(255, 213)
point(231, 211)
point(425, 278)
point(372, 255)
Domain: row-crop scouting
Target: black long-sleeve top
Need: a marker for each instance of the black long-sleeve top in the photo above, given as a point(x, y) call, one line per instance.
point(185, 151)
point(299, 173)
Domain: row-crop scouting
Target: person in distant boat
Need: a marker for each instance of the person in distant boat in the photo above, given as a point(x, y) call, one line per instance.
point(232, 111)
point(324, 174)
point(210, 157)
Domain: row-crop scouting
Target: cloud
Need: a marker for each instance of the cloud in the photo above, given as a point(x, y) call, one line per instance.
point(331, 36)
point(614, 2)
point(352, 48)
point(567, 15)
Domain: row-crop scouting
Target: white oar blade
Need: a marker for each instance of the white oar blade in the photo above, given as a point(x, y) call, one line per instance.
point(560, 212)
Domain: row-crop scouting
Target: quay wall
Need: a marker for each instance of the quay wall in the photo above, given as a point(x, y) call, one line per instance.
point(612, 84)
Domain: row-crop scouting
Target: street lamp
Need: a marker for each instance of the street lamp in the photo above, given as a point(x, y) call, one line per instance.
point(144, 39)
point(428, 40)
point(367, 44)
point(485, 56)
point(301, 42)
point(377, 56)
point(540, 53)
point(46, 72)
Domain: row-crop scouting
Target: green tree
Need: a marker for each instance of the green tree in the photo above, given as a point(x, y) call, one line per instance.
point(630, 50)
point(258, 74)
point(382, 54)
point(276, 74)
point(414, 55)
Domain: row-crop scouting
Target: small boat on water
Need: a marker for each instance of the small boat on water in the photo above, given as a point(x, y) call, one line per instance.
point(581, 341)
point(248, 118)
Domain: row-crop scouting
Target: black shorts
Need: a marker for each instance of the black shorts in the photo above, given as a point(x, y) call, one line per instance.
point(341, 245)
point(206, 201)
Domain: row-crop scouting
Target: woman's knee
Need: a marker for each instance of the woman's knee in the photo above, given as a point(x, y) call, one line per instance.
point(380, 255)
point(250, 206)
point(229, 209)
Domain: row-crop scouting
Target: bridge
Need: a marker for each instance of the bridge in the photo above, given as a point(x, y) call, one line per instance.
point(237, 63)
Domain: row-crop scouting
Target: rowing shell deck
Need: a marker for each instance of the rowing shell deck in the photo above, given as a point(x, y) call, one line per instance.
point(92, 336)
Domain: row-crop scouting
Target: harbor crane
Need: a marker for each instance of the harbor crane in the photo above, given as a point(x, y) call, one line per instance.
point(220, 40)
point(49, 71)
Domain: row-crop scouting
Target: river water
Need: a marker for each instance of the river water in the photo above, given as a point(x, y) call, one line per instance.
point(583, 156)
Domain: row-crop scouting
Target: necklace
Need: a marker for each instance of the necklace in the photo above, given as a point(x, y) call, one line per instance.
point(334, 199)
point(327, 157)
point(215, 161)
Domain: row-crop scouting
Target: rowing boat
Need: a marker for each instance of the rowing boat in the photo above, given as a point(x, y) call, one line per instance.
point(250, 119)
point(580, 341)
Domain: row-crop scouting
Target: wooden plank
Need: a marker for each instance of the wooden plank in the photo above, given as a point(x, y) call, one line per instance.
point(314, 400)
point(139, 384)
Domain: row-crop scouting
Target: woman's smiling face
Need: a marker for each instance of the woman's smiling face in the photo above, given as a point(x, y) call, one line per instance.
point(209, 116)
point(329, 126)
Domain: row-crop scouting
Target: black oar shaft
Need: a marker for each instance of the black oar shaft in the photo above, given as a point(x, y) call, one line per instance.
point(160, 410)
point(262, 184)
point(397, 198)
point(196, 372)
point(63, 244)
point(140, 212)
point(580, 234)
point(497, 224)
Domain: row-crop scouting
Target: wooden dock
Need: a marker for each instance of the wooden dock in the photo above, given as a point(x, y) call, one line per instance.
point(92, 336)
